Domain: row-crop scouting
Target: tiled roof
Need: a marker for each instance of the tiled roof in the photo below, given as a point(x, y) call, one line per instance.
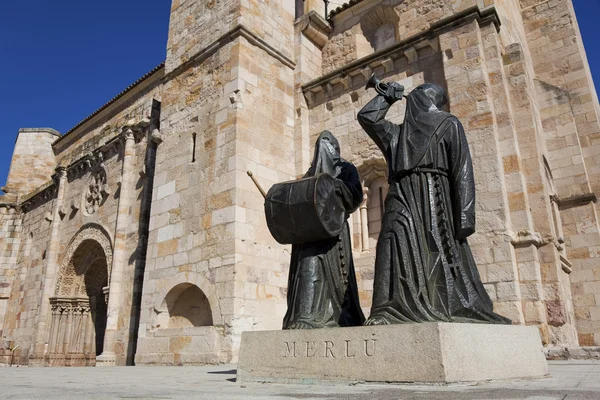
point(114, 99)
point(343, 7)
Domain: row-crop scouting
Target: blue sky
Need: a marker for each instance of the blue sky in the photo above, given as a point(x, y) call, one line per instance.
point(63, 59)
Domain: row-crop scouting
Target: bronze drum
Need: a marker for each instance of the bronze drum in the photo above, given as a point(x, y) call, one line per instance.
point(305, 210)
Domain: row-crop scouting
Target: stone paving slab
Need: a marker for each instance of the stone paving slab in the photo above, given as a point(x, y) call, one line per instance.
point(569, 380)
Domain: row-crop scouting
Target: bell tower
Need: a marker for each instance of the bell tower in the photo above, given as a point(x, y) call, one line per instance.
point(227, 107)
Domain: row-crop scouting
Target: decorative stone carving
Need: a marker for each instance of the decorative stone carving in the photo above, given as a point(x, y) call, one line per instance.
point(97, 191)
point(315, 28)
point(93, 234)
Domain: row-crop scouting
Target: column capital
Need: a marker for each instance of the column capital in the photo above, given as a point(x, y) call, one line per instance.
point(128, 134)
point(157, 136)
point(61, 171)
point(365, 197)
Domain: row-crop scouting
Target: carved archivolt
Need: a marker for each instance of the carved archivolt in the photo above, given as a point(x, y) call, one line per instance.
point(90, 247)
point(371, 170)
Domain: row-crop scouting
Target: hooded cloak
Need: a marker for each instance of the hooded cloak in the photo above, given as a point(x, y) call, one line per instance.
point(322, 289)
point(424, 269)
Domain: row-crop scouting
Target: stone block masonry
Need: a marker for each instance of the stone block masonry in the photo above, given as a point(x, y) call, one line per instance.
point(156, 191)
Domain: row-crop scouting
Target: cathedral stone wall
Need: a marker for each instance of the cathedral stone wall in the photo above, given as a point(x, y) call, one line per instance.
point(91, 157)
point(32, 163)
point(27, 276)
point(10, 241)
point(228, 110)
point(153, 186)
point(483, 54)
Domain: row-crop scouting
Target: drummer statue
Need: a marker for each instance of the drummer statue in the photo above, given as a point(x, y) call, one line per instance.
point(424, 269)
point(311, 214)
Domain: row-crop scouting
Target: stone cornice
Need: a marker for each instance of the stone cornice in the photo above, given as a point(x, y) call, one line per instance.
point(314, 27)
point(566, 265)
point(35, 130)
point(576, 200)
point(228, 37)
point(343, 7)
point(90, 161)
point(528, 237)
point(405, 48)
point(8, 204)
point(41, 195)
point(155, 72)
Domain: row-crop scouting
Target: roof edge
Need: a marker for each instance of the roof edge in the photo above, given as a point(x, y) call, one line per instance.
point(343, 7)
point(113, 100)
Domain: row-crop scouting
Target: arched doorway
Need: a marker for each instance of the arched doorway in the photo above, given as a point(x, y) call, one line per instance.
point(80, 302)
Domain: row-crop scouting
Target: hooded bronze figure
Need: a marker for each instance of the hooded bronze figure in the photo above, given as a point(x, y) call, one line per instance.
point(424, 269)
point(322, 288)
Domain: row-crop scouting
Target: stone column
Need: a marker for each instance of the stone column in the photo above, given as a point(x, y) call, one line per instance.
point(42, 332)
point(68, 345)
point(54, 330)
point(351, 230)
point(120, 255)
point(60, 338)
point(364, 221)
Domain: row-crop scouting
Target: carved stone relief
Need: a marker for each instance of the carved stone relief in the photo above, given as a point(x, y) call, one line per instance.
point(90, 244)
point(97, 191)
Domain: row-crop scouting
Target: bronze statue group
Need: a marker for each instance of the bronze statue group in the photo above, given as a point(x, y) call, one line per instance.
point(424, 269)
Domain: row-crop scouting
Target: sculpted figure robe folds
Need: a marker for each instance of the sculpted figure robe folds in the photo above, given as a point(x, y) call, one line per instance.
point(322, 289)
point(424, 269)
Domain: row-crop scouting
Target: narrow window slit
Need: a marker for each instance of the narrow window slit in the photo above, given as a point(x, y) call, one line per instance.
point(193, 147)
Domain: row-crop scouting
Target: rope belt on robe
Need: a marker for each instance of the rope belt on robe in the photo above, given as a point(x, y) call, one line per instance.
point(420, 170)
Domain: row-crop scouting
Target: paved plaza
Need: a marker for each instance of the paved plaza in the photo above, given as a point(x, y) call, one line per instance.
point(570, 380)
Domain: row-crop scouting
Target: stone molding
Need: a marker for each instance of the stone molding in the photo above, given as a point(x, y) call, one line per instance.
point(346, 6)
point(8, 204)
point(575, 201)
point(372, 169)
point(35, 130)
point(129, 89)
point(314, 27)
point(92, 161)
point(92, 231)
point(405, 48)
point(62, 304)
point(227, 37)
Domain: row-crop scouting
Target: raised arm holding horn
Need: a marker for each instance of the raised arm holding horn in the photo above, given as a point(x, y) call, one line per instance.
point(424, 269)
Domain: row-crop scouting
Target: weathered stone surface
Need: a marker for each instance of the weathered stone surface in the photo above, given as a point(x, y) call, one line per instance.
point(429, 352)
point(233, 97)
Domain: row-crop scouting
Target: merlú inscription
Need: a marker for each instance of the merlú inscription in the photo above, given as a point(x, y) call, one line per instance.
point(346, 348)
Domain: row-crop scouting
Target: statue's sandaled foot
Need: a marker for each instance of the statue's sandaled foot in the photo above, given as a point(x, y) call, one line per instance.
point(300, 325)
point(376, 321)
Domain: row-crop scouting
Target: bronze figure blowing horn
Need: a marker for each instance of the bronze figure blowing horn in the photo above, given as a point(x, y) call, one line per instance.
point(380, 87)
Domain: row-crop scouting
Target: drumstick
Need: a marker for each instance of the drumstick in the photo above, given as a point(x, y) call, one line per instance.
point(260, 189)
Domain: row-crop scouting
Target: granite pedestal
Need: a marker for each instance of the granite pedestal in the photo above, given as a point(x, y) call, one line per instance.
point(428, 353)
